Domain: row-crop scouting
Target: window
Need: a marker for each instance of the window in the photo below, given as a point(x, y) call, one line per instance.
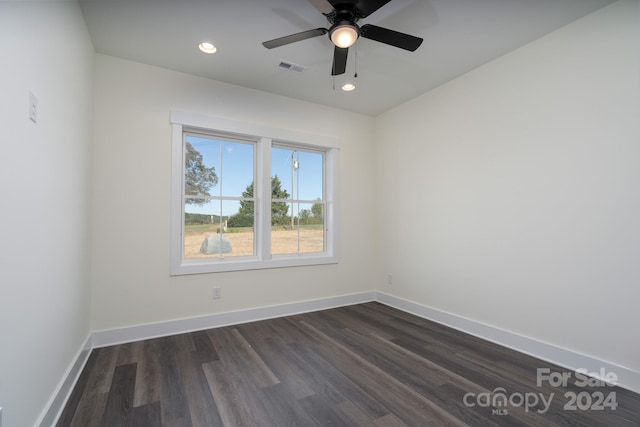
point(297, 201)
point(249, 197)
point(219, 218)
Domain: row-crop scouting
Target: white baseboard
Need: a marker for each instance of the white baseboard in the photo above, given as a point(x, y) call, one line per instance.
point(135, 333)
point(53, 410)
point(565, 358)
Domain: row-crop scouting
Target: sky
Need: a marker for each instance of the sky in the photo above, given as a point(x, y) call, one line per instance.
point(234, 166)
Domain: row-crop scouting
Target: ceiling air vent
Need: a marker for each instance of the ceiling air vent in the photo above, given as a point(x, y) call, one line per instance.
point(291, 66)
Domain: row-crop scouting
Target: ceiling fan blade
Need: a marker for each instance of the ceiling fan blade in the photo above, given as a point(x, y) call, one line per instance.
point(367, 7)
point(339, 60)
point(322, 5)
point(390, 37)
point(294, 38)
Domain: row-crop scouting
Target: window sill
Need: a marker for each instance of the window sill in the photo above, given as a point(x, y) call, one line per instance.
point(226, 265)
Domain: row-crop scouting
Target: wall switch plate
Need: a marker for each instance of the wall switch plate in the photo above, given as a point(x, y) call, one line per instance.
point(33, 107)
point(217, 293)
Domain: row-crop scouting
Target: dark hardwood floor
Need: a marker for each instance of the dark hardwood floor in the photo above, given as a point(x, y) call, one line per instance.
point(362, 365)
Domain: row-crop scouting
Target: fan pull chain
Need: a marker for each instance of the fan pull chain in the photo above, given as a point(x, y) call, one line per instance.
point(355, 62)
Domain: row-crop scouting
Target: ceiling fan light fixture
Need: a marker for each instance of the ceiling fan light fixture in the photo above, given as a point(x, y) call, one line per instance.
point(207, 47)
point(343, 16)
point(344, 35)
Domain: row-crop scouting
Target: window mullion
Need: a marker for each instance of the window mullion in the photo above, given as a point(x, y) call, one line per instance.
point(221, 172)
point(297, 175)
point(263, 199)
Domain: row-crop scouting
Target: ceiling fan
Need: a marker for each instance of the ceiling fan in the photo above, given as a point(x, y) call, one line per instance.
point(343, 16)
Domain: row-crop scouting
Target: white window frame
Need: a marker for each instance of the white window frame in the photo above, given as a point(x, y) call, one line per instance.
point(265, 136)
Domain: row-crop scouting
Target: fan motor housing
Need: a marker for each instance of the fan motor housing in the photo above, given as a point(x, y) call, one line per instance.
point(342, 13)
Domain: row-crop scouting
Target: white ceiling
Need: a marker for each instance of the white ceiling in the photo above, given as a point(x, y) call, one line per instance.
point(459, 35)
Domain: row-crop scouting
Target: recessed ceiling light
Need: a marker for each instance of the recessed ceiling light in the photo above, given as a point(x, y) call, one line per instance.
point(348, 87)
point(207, 47)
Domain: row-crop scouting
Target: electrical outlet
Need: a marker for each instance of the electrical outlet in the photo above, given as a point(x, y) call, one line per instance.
point(217, 293)
point(390, 279)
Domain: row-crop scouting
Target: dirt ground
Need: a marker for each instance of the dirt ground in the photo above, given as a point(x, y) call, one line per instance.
point(282, 242)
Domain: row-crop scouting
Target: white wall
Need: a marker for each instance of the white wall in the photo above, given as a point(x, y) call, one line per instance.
point(510, 196)
point(131, 202)
point(45, 189)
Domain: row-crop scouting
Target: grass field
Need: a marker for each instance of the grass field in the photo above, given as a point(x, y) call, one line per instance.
point(283, 241)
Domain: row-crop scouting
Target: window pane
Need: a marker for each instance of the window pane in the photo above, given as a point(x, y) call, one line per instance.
point(305, 235)
point(282, 170)
point(300, 173)
point(311, 227)
point(211, 231)
point(217, 167)
point(284, 240)
point(240, 227)
point(309, 176)
point(201, 165)
point(201, 219)
point(237, 168)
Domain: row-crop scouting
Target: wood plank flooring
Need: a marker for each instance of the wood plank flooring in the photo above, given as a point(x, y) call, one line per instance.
point(362, 365)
